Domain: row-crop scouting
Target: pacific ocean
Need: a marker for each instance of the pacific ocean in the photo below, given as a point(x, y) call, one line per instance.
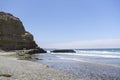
point(88, 64)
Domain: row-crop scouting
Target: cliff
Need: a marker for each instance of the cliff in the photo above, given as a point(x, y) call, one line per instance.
point(13, 35)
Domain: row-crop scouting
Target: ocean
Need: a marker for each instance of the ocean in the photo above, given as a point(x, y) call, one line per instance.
point(88, 64)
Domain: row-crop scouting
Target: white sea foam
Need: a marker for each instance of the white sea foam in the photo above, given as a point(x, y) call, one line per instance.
point(91, 55)
point(98, 55)
point(97, 52)
point(74, 59)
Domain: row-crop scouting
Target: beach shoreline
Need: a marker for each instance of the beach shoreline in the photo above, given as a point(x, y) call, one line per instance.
point(53, 67)
point(28, 70)
point(83, 68)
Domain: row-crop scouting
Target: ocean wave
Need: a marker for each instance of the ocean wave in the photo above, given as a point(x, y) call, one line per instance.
point(97, 52)
point(90, 55)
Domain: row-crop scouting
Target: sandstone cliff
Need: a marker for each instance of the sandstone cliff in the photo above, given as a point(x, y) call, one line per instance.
point(13, 35)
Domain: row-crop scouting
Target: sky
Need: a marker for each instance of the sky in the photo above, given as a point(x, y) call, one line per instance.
point(69, 23)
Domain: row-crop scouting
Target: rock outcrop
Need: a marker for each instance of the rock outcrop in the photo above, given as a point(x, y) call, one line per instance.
point(63, 51)
point(13, 35)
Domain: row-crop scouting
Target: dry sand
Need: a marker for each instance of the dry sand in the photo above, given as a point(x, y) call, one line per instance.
point(27, 70)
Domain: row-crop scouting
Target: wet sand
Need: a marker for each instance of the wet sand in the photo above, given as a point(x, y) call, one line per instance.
point(86, 70)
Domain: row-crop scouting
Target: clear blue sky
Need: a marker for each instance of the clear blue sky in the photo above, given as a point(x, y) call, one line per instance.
point(69, 23)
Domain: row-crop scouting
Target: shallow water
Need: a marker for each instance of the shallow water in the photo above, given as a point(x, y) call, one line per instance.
point(88, 65)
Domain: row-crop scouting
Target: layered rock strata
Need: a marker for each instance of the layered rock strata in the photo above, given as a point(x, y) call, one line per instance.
point(13, 35)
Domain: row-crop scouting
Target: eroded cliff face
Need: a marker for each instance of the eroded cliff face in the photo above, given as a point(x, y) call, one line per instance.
point(13, 35)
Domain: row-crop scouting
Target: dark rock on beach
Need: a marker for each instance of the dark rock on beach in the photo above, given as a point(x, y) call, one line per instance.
point(64, 51)
point(13, 35)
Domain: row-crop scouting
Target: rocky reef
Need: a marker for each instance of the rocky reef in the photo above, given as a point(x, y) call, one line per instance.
point(63, 51)
point(13, 35)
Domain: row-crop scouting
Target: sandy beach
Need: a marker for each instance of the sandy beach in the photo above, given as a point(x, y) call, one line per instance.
point(54, 67)
point(28, 70)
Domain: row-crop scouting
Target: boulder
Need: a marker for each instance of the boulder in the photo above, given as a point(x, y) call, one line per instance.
point(13, 35)
point(64, 51)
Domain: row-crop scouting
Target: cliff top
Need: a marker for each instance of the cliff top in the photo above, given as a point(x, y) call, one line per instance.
point(7, 16)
